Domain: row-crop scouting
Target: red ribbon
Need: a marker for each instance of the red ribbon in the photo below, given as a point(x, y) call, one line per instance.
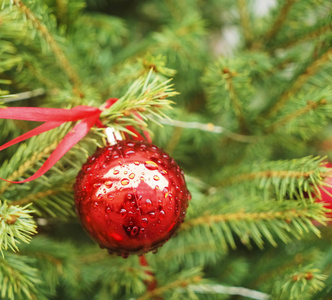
point(55, 117)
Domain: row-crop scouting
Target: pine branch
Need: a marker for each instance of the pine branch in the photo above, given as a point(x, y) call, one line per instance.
point(18, 278)
point(285, 219)
point(313, 33)
point(24, 95)
point(299, 284)
point(311, 106)
point(27, 165)
point(245, 21)
point(279, 21)
point(146, 97)
point(286, 178)
point(34, 197)
point(56, 261)
point(59, 54)
point(298, 82)
point(181, 283)
point(235, 101)
point(228, 290)
point(16, 225)
point(53, 202)
point(228, 84)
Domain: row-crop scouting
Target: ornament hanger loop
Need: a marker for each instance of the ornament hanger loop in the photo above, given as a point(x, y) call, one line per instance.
point(113, 135)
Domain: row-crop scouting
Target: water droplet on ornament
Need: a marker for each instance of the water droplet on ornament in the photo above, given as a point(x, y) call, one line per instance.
point(132, 176)
point(142, 178)
point(130, 151)
point(148, 202)
point(152, 215)
point(162, 215)
point(108, 184)
point(110, 196)
point(130, 144)
point(157, 187)
point(151, 165)
point(108, 209)
point(97, 185)
point(123, 212)
point(145, 221)
point(116, 172)
point(87, 169)
point(163, 172)
point(156, 177)
point(125, 181)
point(136, 163)
point(129, 196)
point(134, 231)
point(99, 196)
point(125, 172)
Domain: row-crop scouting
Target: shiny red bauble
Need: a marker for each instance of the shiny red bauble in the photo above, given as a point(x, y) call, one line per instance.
point(326, 191)
point(131, 197)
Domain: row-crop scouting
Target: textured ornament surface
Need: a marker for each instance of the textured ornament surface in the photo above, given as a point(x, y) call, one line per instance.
point(131, 197)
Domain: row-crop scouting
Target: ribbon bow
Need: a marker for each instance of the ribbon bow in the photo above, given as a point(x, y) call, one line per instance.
point(55, 117)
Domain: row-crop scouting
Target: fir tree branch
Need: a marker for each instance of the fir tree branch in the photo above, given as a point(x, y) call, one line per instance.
point(242, 215)
point(245, 21)
point(59, 54)
point(290, 42)
point(305, 281)
point(280, 179)
point(284, 219)
point(265, 174)
point(298, 83)
point(209, 127)
point(279, 21)
point(18, 278)
point(181, 283)
point(311, 105)
point(27, 165)
point(24, 95)
point(34, 197)
point(235, 101)
point(146, 98)
point(228, 290)
point(16, 224)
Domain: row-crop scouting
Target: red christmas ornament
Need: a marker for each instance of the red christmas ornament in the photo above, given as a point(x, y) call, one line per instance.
point(131, 197)
point(326, 191)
